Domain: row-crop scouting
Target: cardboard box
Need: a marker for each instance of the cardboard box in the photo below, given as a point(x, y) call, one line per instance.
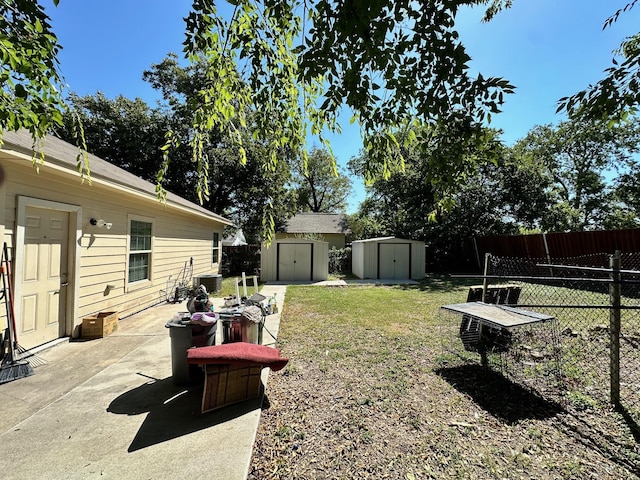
point(228, 384)
point(101, 325)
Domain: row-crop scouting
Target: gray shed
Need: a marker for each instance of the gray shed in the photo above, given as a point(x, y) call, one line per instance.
point(295, 259)
point(388, 258)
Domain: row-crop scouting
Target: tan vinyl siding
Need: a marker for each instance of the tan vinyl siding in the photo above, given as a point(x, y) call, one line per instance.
point(178, 236)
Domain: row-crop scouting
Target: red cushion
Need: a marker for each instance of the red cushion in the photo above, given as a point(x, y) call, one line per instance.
point(237, 353)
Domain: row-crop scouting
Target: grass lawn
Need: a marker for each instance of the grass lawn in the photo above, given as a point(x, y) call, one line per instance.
point(229, 286)
point(366, 395)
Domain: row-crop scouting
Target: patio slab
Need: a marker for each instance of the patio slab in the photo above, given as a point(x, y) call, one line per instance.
point(108, 409)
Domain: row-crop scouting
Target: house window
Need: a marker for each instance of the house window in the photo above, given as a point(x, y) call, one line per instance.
point(216, 248)
point(139, 251)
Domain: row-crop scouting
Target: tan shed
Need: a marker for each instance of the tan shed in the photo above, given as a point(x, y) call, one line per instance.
point(388, 258)
point(295, 260)
point(332, 228)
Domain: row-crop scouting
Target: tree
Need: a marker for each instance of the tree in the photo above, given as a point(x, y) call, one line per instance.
point(130, 134)
point(625, 208)
point(29, 73)
point(127, 133)
point(402, 204)
point(257, 192)
point(364, 225)
point(248, 192)
point(391, 62)
point(577, 157)
point(617, 95)
point(525, 191)
point(320, 187)
point(30, 82)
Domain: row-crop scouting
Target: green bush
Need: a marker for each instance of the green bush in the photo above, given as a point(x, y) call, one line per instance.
point(340, 260)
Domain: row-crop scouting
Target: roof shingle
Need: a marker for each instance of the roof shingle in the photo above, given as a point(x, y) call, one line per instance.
point(310, 222)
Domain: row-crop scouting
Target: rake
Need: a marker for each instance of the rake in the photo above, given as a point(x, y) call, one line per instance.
point(11, 367)
point(22, 353)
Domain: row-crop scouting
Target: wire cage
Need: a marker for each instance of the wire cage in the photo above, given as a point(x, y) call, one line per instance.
point(522, 345)
point(598, 319)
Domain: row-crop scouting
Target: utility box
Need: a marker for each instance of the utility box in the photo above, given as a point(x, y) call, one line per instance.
point(101, 325)
point(212, 282)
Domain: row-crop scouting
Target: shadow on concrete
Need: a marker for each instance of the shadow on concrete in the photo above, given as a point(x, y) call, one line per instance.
point(172, 411)
point(497, 395)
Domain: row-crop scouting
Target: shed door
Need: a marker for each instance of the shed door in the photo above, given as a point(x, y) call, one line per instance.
point(394, 260)
point(44, 277)
point(295, 261)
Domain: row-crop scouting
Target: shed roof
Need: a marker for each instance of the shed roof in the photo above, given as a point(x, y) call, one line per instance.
point(376, 239)
point(311, 222)
point(63, 154)
point(387, 240)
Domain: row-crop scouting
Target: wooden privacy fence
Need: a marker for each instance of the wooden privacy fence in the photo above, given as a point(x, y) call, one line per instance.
point(556, 245)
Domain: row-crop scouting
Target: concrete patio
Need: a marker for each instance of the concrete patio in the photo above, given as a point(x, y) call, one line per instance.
point(108, 409)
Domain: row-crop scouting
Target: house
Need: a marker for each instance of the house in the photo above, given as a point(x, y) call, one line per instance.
point(388, 258)
point(329, 227)
point(80, 247)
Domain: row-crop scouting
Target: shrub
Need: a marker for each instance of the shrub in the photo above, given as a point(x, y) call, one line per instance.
point(340, 260)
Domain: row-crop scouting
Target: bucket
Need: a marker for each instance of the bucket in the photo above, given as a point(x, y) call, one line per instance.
point(239, 329)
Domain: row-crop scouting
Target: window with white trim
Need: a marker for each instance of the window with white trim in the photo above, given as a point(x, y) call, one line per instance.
point(139, 250)
point(215, 257)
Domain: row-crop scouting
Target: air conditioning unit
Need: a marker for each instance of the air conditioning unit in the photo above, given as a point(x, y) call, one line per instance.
point(212, 282)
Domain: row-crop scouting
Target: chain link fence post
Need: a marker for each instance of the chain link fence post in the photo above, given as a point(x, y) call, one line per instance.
point(614, 328)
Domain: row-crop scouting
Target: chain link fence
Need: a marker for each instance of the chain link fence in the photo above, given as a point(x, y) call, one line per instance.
point(578, 359)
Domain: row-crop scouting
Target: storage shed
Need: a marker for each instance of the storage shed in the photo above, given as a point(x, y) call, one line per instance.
point(330, 227)
point(388, 258)
point(294, 260)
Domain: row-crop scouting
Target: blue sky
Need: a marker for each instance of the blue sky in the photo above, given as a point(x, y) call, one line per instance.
point(546, 48)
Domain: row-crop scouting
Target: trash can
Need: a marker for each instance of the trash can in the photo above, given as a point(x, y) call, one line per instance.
point(184, 334)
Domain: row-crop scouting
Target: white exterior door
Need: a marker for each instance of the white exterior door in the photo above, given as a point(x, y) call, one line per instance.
point(295, 261)
point(44, 277)
point(394, 260)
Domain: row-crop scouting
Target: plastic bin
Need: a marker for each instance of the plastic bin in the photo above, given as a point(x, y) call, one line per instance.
point(183, 336)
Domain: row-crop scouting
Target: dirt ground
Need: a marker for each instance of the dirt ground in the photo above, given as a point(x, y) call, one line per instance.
point(373, 405)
